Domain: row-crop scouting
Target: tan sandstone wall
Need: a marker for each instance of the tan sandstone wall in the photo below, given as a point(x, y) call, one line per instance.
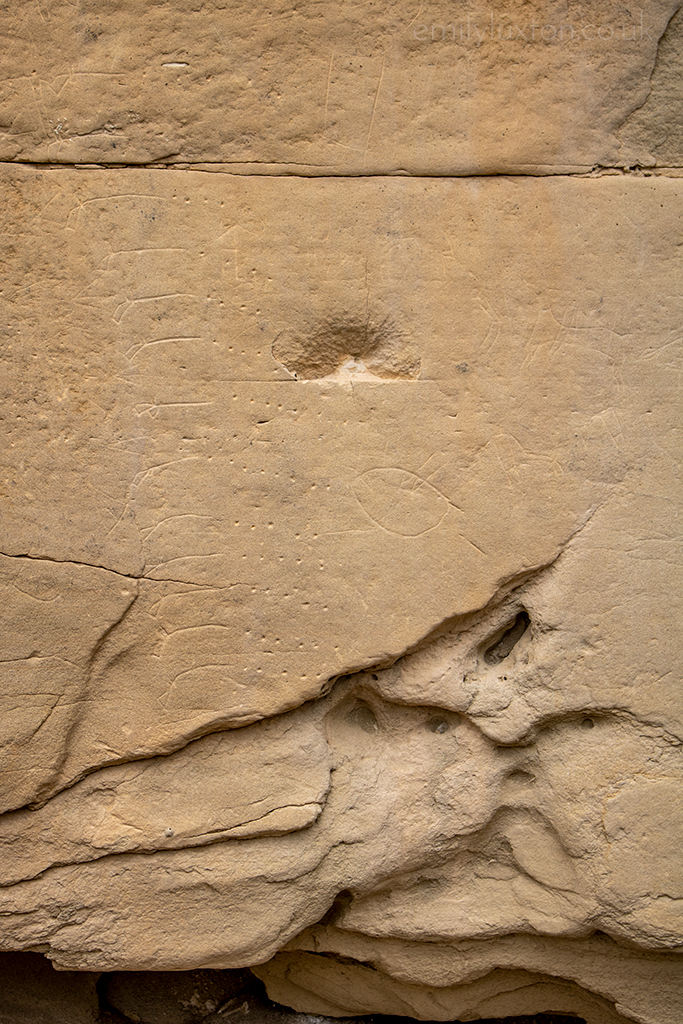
point(340, 553)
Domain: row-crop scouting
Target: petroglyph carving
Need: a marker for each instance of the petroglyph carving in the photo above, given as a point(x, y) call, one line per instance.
point(457, 794)
point(340, 567)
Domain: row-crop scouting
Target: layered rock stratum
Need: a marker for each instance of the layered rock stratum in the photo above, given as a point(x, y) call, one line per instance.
point(340, 548)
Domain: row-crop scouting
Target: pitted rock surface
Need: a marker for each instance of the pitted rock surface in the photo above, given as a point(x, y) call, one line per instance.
point(340, 540)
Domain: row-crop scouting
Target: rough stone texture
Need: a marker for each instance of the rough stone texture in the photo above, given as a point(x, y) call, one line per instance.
point(340, 554)
point(602, 980)
point(349, 88)
point(32, 992)
point(653, 134)
point(260, 534)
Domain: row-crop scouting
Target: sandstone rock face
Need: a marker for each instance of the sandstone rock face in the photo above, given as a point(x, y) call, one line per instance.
point(351, 88)
point(340, 557)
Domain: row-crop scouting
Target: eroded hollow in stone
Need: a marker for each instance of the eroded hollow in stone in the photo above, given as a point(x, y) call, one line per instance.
point(341, 347)
point(504, 644)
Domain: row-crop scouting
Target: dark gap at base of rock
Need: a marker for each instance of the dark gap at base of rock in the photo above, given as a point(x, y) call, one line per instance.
point(538, 1018)
point(33, 992)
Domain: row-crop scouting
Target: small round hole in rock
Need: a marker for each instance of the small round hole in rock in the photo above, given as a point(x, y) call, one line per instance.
point(438, 725)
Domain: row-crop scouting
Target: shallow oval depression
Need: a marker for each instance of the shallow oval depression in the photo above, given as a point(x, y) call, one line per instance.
point(342, 348)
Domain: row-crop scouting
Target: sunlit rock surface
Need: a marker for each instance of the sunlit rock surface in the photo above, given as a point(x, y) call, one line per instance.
point(340, 551)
